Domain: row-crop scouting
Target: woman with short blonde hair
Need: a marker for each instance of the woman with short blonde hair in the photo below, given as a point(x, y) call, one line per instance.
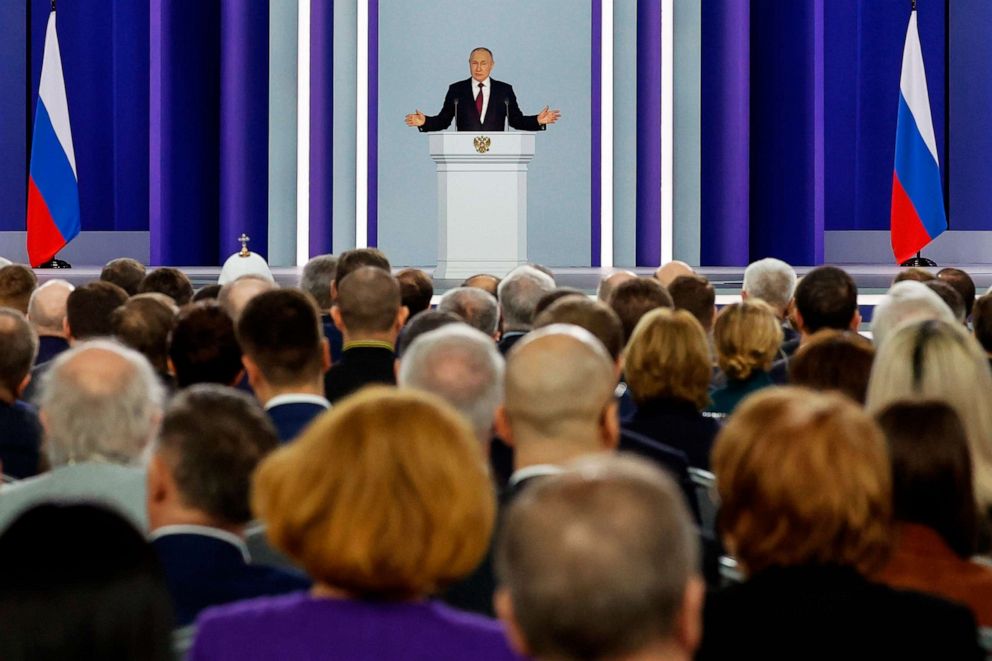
point(747, 337)
point(384, 501)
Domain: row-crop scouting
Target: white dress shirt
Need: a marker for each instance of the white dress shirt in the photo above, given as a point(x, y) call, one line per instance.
point(486, 89)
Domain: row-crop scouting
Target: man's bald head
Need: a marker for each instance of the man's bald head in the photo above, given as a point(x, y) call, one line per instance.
point(234, 296)
point(666, 273)
point(368, 301)
point(99, 400)
point(559, 379)
point(46, 310)
point(609, 282)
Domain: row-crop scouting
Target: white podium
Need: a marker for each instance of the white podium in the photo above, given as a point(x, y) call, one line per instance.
point(481, 201)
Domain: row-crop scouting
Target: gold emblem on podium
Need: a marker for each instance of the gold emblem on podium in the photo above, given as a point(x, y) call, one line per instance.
point(482, 144)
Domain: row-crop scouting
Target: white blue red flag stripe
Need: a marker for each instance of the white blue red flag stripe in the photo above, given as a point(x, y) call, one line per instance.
point(917, 197)
point(53, 187)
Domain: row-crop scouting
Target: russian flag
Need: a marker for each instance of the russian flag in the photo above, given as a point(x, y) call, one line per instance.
point(917, 197)
point(53, 188)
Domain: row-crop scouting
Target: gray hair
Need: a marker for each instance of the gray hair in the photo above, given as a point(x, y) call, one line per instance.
point(463, 367)
point(905, 302)
point(519, 293)
point(110, 412)
point(477, 307)
point(770, 280)
point(597, 560)
point(234, 296)
point(318, 274)
point(44, 313)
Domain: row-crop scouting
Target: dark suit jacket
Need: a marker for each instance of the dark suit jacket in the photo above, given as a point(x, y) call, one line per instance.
point(502, 105)
point(333, 335)
point(359, 366)
point(203, 571)
point(291, 418)
point(677, 424)
point(831, 613)
point(508, 340)
point(50, 346)
point(20, 440)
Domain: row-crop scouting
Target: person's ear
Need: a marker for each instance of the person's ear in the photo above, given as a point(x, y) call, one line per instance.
point(618, 368)
point(743, 295)
point(797, 318)
point(65, 327)
point(856, 320)
point(325, 355)
point(251, 369)
point(160, 483)
point(610, 424)
point(503, 605)
point(401, 316)
point(334, 291)
point(336, 318)
point(22, 385)
point(501, 425)
point(689, 622)
point(171, 366)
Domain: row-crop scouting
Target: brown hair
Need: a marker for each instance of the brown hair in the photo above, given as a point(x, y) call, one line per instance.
point(203, 347)
point(595, 316)
point(386, 495)
point(416, 290)
point(280, 330)
point(747, 337)
point(834, 360)
point(633, 298)
point(668, 356)
point(352, 260)
point(803, 479)
point(124, 272)
point(144, 324)
point(169, 281)
point(696, 294)
point(368, 300)
point(913, 273)
point(16, 284)
point(88, 309)
point(982, 322)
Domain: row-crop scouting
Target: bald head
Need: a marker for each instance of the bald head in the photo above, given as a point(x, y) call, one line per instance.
point(476, 307)
point(608, 283)
point(673, 269)
point(99, 400)
point(559, 381)
point(234, 296)
point(46, 310)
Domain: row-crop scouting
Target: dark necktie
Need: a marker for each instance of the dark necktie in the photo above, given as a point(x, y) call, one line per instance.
point(478, 102)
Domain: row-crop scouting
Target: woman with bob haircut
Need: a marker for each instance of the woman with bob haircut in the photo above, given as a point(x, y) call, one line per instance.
point(747, 337)
point(668, 369)
point(805, 490)
point(934, 507)
point(384, 500)
point(940, 360)
point(834, 360)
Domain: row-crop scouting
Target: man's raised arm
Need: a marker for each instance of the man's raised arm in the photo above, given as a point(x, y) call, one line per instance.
point(438, 122)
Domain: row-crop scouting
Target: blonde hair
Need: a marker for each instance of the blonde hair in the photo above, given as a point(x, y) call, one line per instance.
point(804, 478)
point(668, 356)
point(747, 337)
point(386, 495)
point(940, 360)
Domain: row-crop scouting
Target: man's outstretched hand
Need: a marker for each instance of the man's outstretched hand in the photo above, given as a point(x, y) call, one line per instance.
point(415, 119)
point(544, 117)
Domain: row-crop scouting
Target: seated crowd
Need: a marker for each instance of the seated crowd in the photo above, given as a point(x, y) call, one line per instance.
point(340, 470)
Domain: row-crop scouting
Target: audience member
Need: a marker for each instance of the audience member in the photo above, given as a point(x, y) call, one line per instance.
point(600, 562)
point(17, 282)
point(425, 322)
point(913, 273)
point(318, 274)
point(369, 313)
point(934, 507)
point(939, 360)
point(234, 296)
point(594, 316)
point(834, 360)
point(906, 302)
point(774, 282)
point(285, 356)
point(20, 431)
point(100, 405)
point(207, 293)
point(982, 323)
point(747, 337)
point(144, 323)
point(416, 290)
point(46, 312)
point(81, 583)
point(518, 295)
point(632, 299)
point(667, 273)
point(951, 298)
point(668, 369)
point(826, 297)
point(483, 281)
point(462, 366)
point(245, 263)
point(963, 283)
point(169, 281)
point(555, 295)
point(695, 294)
point(351, 260)
point(475, 307)
point(609, 282)
point(199, 478)
point(805, 505)
point(124, 272)
point(204, 348)
point(374, 560)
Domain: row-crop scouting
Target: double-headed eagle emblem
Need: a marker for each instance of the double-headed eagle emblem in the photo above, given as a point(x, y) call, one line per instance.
point(482, 144)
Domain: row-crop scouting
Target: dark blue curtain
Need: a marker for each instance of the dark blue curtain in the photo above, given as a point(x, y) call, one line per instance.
point(13, 115)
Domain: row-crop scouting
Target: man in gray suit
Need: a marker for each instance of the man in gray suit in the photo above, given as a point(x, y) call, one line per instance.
point(100, 404)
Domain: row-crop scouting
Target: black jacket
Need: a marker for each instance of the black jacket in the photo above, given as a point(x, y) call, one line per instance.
point(502, 104)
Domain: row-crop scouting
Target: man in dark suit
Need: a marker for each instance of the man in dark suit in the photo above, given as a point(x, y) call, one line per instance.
point(285, 357)
point(481, 103)
point(20, 430)
point(46, 312)
point(211, 440)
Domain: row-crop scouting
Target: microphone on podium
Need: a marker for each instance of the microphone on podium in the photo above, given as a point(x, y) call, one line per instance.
point(456, 113)
point(506, 116)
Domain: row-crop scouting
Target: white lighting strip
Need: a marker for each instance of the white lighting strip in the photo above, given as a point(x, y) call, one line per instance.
point(606, 140)
point(362, 130)
point(667, 126)
point(303, 134)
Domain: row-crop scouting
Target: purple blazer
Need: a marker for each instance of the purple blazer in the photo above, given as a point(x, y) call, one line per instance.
point(299, 626)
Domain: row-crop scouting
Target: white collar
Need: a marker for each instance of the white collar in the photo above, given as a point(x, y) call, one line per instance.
point(205, 531)
point(537, 470)
point(475, 83)
point(297, 398)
